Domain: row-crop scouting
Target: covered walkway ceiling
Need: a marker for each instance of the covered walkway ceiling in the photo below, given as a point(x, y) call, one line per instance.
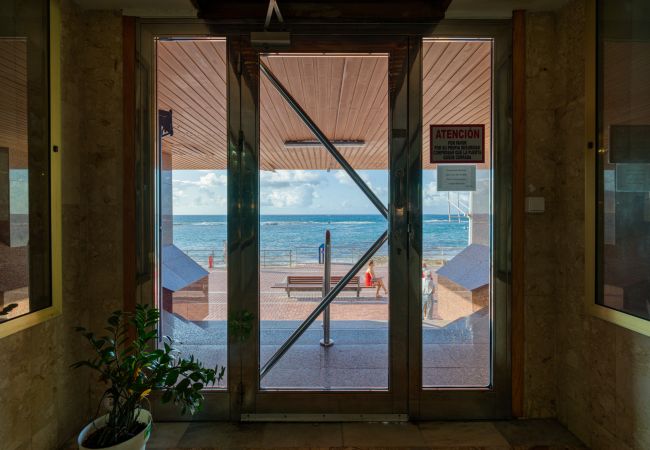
point(347, 96)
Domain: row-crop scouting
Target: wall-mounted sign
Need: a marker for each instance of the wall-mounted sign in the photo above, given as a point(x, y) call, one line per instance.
point(457, 144)
point(456, 178)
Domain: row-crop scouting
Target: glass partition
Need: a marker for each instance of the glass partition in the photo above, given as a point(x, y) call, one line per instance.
point(193, 157)
point(25, 278)
point(623, 165)
point(456, 281)
point(306, 193)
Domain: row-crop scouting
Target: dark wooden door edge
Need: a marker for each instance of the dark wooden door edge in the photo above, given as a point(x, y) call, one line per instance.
point(128, 159)
point(518, 214)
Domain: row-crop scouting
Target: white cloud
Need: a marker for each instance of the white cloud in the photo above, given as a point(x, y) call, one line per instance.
point(207, 181)
point(344, 178)
point(297, 196)
point(209, 199)
point(289, 188)
point(286, 178)
point(212, 179)
point(431, 196)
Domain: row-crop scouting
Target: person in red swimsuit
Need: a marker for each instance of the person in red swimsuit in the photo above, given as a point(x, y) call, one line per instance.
point(374, 281)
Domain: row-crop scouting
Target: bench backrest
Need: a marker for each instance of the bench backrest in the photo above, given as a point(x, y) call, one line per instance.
point(317, 279)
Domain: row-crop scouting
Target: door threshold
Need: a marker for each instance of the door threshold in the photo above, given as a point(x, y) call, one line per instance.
point(278, 417)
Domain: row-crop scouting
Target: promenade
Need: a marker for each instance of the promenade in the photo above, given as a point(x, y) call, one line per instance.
point(454, 353)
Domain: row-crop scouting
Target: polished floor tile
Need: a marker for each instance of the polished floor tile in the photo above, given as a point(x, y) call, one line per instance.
point(462, 434)
point(167, 435)
point(322, 435)
point(529, 433)
point(382, 435)
point(223, 435)
point(501, 435)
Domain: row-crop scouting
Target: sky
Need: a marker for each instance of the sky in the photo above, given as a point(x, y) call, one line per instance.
point(203, 192)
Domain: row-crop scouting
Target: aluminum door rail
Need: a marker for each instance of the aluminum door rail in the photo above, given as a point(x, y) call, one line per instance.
point(324, 140)
point(322, 305)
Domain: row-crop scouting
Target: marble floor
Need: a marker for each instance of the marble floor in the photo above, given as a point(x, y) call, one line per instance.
point(522, 434)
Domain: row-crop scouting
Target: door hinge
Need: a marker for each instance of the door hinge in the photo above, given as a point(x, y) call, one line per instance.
point(240, 144)
point(241, 393)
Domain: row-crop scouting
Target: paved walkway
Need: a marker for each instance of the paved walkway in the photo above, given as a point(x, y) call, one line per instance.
point(453, 354)
point(276, 305)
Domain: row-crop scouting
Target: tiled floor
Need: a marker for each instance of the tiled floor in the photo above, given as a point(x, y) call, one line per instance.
point(525, 434)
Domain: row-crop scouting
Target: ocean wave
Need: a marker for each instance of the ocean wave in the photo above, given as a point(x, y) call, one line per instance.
point(318, 222)
point(200, 224)
point(453, 220)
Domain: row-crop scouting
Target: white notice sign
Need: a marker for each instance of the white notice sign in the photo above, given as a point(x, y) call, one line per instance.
point(456, 178)
point(457, 144)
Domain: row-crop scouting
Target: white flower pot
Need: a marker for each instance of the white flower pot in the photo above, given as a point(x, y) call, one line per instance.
point(138, 442)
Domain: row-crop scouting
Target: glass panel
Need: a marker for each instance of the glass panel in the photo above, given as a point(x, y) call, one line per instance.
point(304, 192)
point(191, 96)
point(457, 219)
point(624, 166)
point(24, 159)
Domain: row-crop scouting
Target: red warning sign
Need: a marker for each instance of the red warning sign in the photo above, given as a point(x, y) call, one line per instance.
point(457, 144)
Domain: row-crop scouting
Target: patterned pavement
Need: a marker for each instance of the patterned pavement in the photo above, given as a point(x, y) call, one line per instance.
point(276, 305)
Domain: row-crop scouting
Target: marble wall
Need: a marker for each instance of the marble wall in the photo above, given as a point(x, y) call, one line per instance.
point(593, 375)
point(42, 401)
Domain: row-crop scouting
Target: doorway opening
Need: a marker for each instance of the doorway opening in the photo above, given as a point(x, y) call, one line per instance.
point(304, 198)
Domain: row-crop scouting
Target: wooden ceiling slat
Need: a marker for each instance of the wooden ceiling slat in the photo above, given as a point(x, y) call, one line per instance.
point(187, 87)
point(454, 74)
point(347, 96)
point(456, 89)
point(13, 101)
point(188, 130)
point(191, 75)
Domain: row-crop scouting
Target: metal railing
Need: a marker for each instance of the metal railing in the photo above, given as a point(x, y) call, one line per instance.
point(303, 255)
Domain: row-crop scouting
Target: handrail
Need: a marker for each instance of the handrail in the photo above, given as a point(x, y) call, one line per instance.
point(290, 257)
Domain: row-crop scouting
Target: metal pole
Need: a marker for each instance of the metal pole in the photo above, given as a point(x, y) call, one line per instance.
point(326, 341)
point(324, 140)
point(322, 305)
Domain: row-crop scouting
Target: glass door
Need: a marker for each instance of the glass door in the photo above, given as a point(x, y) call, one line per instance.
point(328, 153)
point(313, 229)
point(460, 245)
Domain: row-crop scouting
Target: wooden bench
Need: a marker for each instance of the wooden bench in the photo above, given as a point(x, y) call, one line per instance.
point(311, 283)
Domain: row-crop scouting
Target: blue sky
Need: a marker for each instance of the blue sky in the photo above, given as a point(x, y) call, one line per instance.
point(296, 192)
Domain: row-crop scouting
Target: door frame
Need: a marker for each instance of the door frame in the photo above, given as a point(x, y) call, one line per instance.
point(406, 399)
point(493, 402)
point(303, 404)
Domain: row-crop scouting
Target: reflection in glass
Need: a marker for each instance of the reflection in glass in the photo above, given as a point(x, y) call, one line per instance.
point(24, 160)
point(624, 162)
point(191, 104)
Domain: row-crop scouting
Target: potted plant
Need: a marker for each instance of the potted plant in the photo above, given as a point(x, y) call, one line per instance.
point(131, 367)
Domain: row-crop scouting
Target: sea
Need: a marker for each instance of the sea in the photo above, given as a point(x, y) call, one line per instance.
point(295, 239)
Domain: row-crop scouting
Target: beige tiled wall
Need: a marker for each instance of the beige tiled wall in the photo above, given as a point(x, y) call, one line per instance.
point(592, 374)
point(42, 401)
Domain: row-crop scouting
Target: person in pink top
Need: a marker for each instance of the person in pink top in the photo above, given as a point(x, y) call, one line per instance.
point(373, 280)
